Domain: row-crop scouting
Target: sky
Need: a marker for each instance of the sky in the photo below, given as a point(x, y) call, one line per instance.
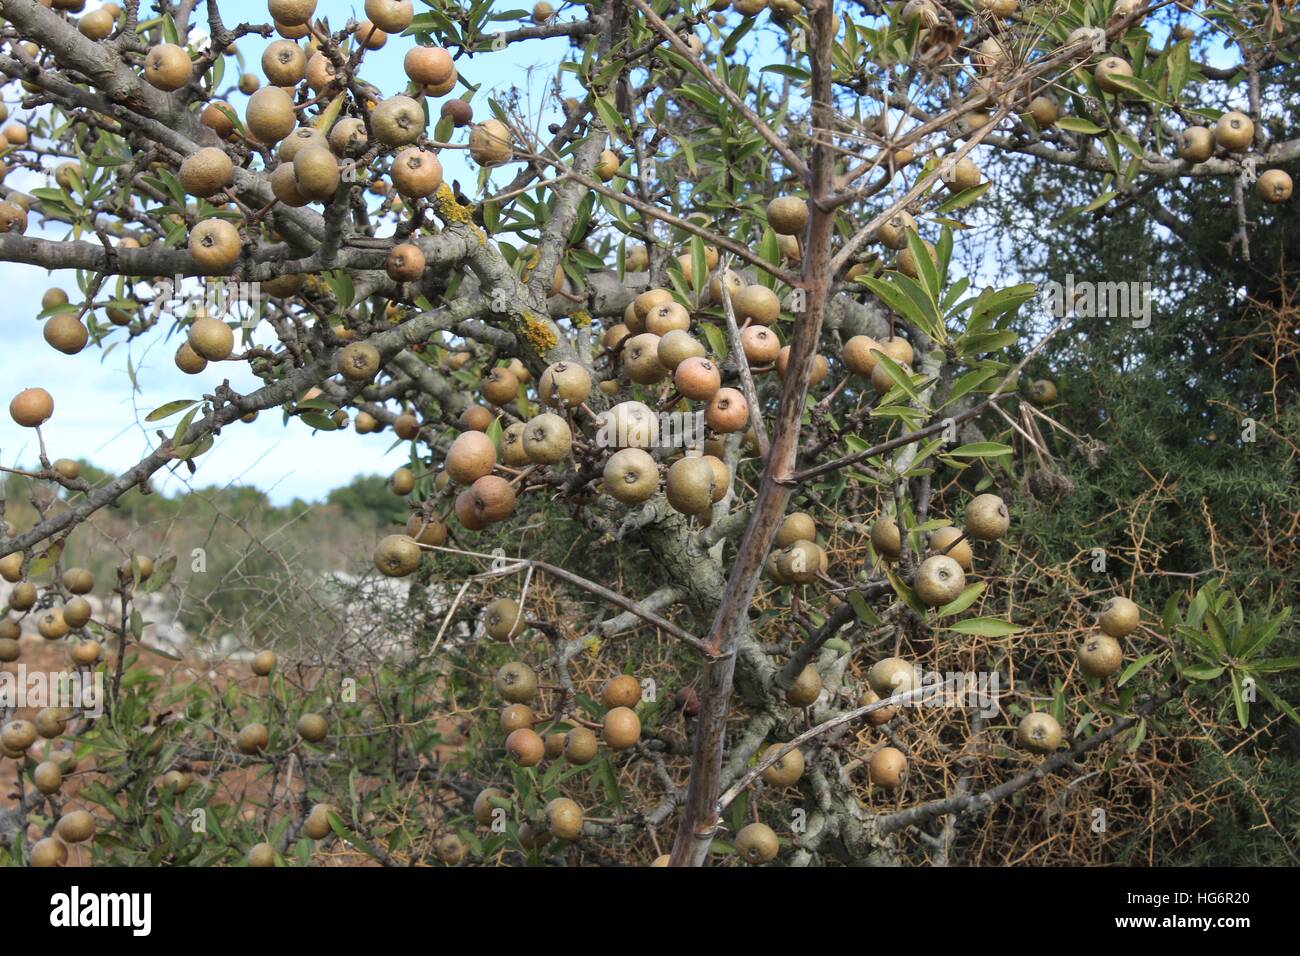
point(99, 417)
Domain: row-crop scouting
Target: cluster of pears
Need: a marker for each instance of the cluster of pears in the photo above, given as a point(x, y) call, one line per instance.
point(518, 686)
point(24, 740)
point(940, 577)
point(253, 738)
point(1099, 656)
point(68, 619)
point(620, 728)
point(629, 430)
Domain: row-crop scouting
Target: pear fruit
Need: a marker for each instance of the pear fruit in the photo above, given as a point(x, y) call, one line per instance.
point(757, 844)
point(939, 580)
point(1119, 617)
point(786, 771)
point(987, 518)
point(1039, 733)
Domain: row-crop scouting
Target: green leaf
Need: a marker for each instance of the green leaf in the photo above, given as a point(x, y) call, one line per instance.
point(1077, 124)
point(170, 409)
point(981, 449)
point(963, 600)
point(1133, 668)
point(1239, 701)
point(985, 627)
point(863, 610)
point(717, 341)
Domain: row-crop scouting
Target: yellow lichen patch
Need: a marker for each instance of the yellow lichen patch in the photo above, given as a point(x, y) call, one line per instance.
point(580, 319)
point(538, 332)
point(451, 211)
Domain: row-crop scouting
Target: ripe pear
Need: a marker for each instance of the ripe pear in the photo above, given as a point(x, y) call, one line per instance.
point(206, 172)
point(786, 771)
point(939, 580)
point(787, 215)
point(548, 439)
point(1119, 617)
point(987, 518)
point(1100, 656)
point(807, 687)
point(797, 526)
point(397, 556)
point(641, 359)
point(1195, 144)
point(312, 728)
point(252, 739)
point(1107, 69)
point(270, 116)
point(75, 826)
point(698, 379)
point(1039, 733)
point(214, 244)
point(391, 16)
point(941, 542)
point(1234, 131)
point(416, 172)
point(621, 691)
point(503, 619)
point(211, 339)
point(580, 746)
point(887, 768)
point(525, 747)
point(471, 456)
point(881, 715)
point(264, 663)
point(515, 716)
point(316, 172)
point(564, 817)
point(284, 63)
point(892, 676)
point(676, 347)
point(516, 682)
point(359, 362)
point(489, 143)
point(621, 728)
point(450, 850)
point(189, 361)
point(1273, 186)
point(167, 67)
point(483, 809)
point(64, 332)
point(761, 345)
point(631, 476)
point(317, 824)
point(689, 485)
point(757, 304)
point(757, 844)
point(886, 537)
point(564, 384)
point(261, 856)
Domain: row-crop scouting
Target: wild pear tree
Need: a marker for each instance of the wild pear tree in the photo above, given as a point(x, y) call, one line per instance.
point(705, 328)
